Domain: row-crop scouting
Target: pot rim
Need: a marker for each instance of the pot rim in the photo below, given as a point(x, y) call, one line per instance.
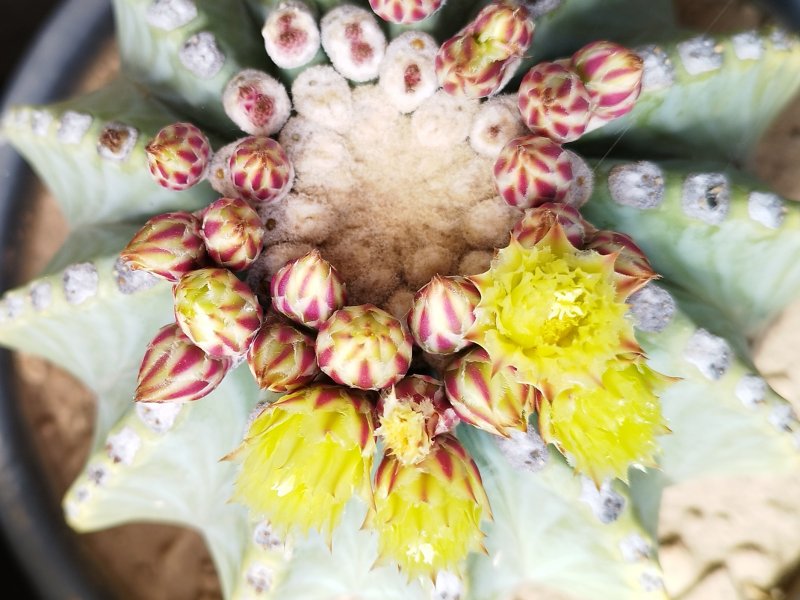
point(30, 516)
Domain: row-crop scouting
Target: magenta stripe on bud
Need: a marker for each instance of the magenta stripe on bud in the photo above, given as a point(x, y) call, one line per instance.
point(168, 246)
point(537, 222)
point(232, 232)
point(443, 313)
point(174, 369)
point(178, 156)
point(532, 170)
point(260, 170)
point(282, 357)
point(612, 75)
point(405, 11)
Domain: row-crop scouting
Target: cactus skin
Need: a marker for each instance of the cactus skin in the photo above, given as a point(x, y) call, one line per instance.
point(704, 415)
point(175, 370)
point(168, 246)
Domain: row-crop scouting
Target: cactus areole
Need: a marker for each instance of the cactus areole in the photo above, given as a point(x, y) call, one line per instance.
point(392, 243)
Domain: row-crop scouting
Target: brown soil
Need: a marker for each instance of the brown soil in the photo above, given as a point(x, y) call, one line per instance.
point(156, 561)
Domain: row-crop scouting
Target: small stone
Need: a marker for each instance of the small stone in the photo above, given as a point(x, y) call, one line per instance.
point(652, 308)
point(260, 578)
point(116, 141)
point(524, 451)
point(751, 390)
point(700, 55)
point(707, 197)
point(40, 122)
point(41, 295)
point(638, 185)
point(123, 446)
point(448, 586)
point(169, 15)
point(634, 548)
point(130, 281)
point(80, 282)
point(202, 55)
point(158, 416)
point(748, 45)
point(766, 208)
point(709, 353)
point(73, 127)
point(659, 73)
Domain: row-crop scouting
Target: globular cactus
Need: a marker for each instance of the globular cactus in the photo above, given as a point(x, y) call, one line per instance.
point(539, 339)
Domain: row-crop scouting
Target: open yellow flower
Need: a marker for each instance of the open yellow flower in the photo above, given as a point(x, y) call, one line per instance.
point(305, 456)
point(552, 312)
point(604, 429)
point(428, 514)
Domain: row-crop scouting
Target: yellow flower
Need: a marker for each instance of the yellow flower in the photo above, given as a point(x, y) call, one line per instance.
point(428, 515)
point(604, 429)
point(305, 456)
point(552, 312)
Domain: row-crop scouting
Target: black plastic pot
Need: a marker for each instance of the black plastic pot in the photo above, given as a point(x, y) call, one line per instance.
point(30, 517)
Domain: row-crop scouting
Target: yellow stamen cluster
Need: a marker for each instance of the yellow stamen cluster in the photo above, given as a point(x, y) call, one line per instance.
point(404, 429)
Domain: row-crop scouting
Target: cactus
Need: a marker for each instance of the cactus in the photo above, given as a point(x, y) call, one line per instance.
point(529, 342)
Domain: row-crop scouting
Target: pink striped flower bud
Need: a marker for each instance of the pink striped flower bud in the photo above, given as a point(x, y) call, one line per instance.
point(410, 413)
point(554, 102)
point(405, 11)
point(217, 311)
point(612, 75)
point(364, 347)
point(232, 232)
point(631, 265)
point(481, 59)
point(175, 370)
point(282, 357)
point(537, 222)
point(487, 397)
point(178, 157)
point(442, 313)
point(168, 246)
point(308, 290)
point(532, 170)
point(260, 170)
point(256, 102)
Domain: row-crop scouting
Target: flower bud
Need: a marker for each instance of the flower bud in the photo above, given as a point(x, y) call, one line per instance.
point(537, 222)
point(411, 413)
point(364, 347)
point(632, 267)
point(442, 314)
point(232, 232)
point(405, 11)
point(554, 102)
point(612, 75)
point(178, 157)
point(308, 290)
point(282, 358)
point(532, 170)
point(305, 456)
point(168, 246)
point(488, 397)
point(217, 311)
point(481, 59)
point(428, 514)
point(175, 370)
point(354, 42)
point(291, 34)
point(260, 170)
point(256, 102)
